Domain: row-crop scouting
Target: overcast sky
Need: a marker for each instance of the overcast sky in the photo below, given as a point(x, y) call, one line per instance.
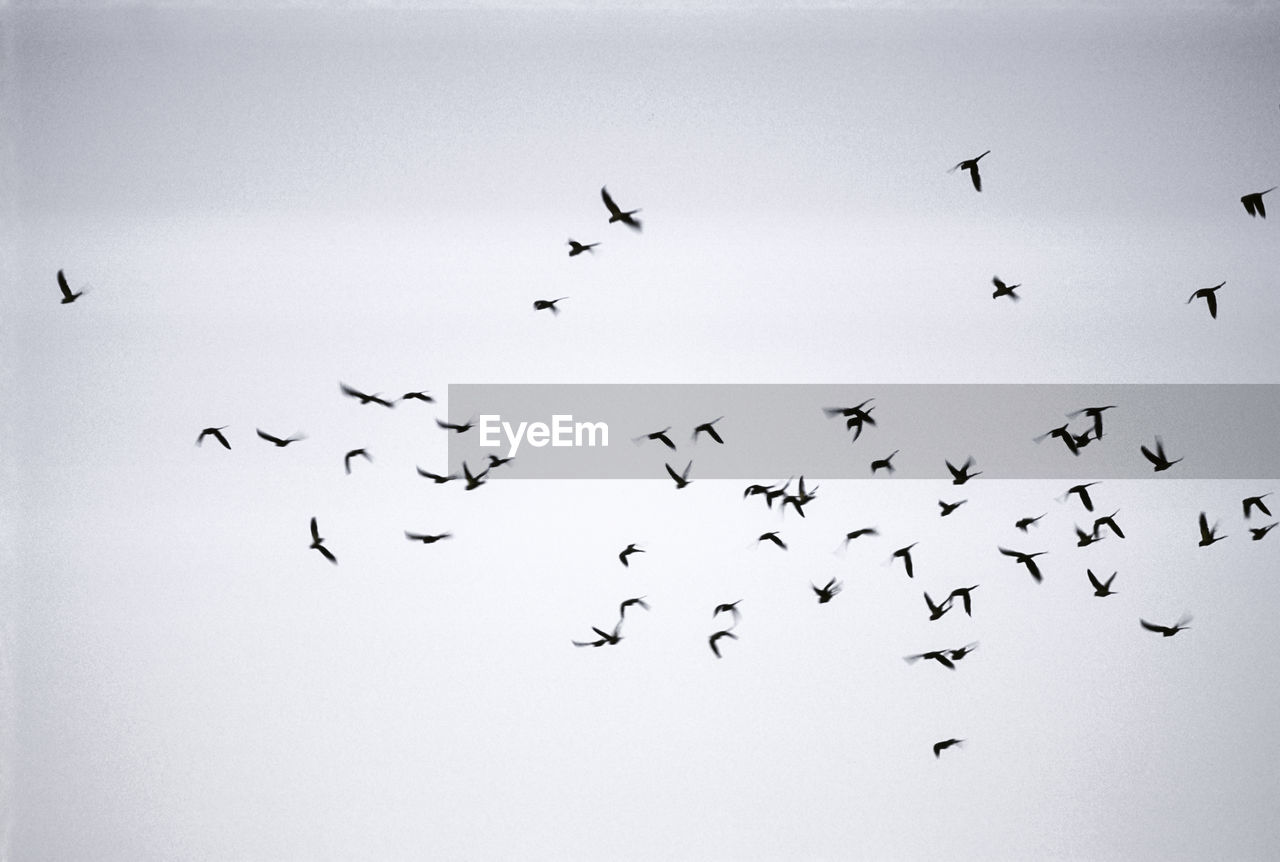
point(262, 204)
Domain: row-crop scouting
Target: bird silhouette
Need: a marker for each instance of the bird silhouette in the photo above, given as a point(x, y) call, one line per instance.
point(885, 463)
point(1065, 435)
point(1083, 492)
point(436, 477)
point(772, 537)
point(363, 398)
point(660, 436)
point(1101, 589)
point(960, 475)
point(827, 592)
point(318, 543)
point(628, 551)
point(67, 296)
point(346, 459)
point(495, 461)
point(681, 479)
point(549, 304)
point(473, 481)
point(709, 428)
point(610, 638)
point(1094, 413)
point(1260, 533)
point(730, 608)
point(856, 534)
point(1084, 539)
point(616, 213)
point(279, 442)
point(962, 593)
point(1003, 289)
point(971, 165)
point(1210, 296)
point(850, 412)
point(939, 747)
point(1158, 458)
point(940, 656)
point(1026, 559)
point(1167, 631)
point(576, 248)
point(1109, 522)
point(936, 611)
point(427, 538)
point(1253, 203)
point(1208, 535)
point(216, 433)
point(1024, 523)
point(905, 554)
point(957, 654)
point(1250, 503)
point(459, 429)
point(622, 608)
point(417, 396)
point(714, 640)
point(948, 508)
point(756, 490)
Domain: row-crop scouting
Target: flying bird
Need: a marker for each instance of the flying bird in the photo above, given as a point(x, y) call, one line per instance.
point(1083, 492)
point(417, 396)
point(1260, 533)
point(957, 654)
point(363, 398)
point(449, 426)
point(276, 440)
point(1210, 296)
point(948, 508)
point(346, 459)
point(939, 747)
point(660, 436)
point(1207, 535)
point(884, 463)
point(426, 539)
point(855, 534)
point(709, 428)
point(828, 592)
point(1110, 522)
point(1023, 523)
point(616, 213)
point(960, 475)
point(1249, 504)
point(216, 433)
point(1003, 289)
point(610, 638)
point(576, 248)
point(435, 477)
point(1084, 539)
point(549, 304)
point(936, 611)
point(628, 551)
point(772, 537)
point(67, 296)
point(1253, 203)
point(714, 640)
point(495, 461)
point(1101, 589)
point(1167, 631)
point(971, 165)
point(1063, 433)
point(963, 594)
point(681, 479)
point(1094, 413)
point(1026, 559)
point(622, 608)
point(905, 554)
point(318, 543)
point(1158, 457)
point(940, 656)
point(730, 608)
point(475, 481)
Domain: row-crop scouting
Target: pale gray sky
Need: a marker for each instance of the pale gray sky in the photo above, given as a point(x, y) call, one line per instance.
point(263, 204)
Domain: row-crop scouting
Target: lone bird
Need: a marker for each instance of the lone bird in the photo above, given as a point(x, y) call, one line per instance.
point(450, 426)
point(885, 463)
point(1083, 492)
point(905, 554)
point(1167, 631)
point(856, 534)
point(279, 442)
point(1210, 297)
point(1158, 458)
point(971, 165)
point(1003, 289)
point(714, 640)
point(1253, 203)
point(346, 459)
point(628, 551)
point(417, 396)
point(318, 543)
point(1101, 589)
point(1208, 535)
point(772, 536)
point(948, 508)
point(1250, 503)
point(939, 747)
point(681, 479)
point(216, 433)
point(363, 398)
point(67, 296)
point(576, 248)
point(709, 428)
point(829, 591)
point(549, 304)
point(1026, 559)
point(940, 656)
point(616, 213)
point(426, 539)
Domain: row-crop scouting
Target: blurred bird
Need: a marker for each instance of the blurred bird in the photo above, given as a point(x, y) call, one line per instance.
point(276, 440)
point(884, 463)
point(475, 481)
point(957, 654)
point(660, 436)
point(346, 459)
point(1259, 533)
point(610, 638)
point(576, 248)
point(1208, 536)
point(435, 477)
point(1082, 491)
point(1102, 589)
point(828, 592)
point(940, 656)
point(67, 296)
point(1110, 522)
point(963, 594)
point(1026, 559)
point(1003, 289)
point(417, 396)
point(772, 537)
point(709, 428)
point(628, 551)
point(549, 304)
point(1023, 523)
point(216, 433)
point(622, 608)
point(905, 554)
point(948, 508)
point(936, 611)
point(318, 543)
point(495, 461)
point(939, 747)
point(1094, 413)
point(855, 534)
point(1210, 296)
point(1158, 457)
point(362, 397)
point(1250, 503)
point(1167, 631)
point(714, 640)
point(616, 213)
point(426, 539)
point(960, 475)
point(449, 426)
point(730, 608)
point(681, 479)
point(1063, 434)
point(971, 165)
point(1084, 539)
point(1253, 203)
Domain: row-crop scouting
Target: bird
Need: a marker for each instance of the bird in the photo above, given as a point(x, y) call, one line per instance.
point(1101, 589)
point(971, 165)
point(660, 436)
point(939, 747)
point(1210, 297)
point(318, 543)
point(495, 461)
point(417, 396)
point(1024, 523)
point(940, 656)
point(67, 296)
point(715, 638)
point(576, 248)
point(426, 539)
point(1208, 536)
point(963, 594)
point(450, 426)
point(772, 537)
point(622, 608)
point(856, 423)
point(1003, 289)
point(855, 534)
point(936, 611)
point(549, 304)
point(681, 479)
point(475, 481)
point(276, 440)
point(1158, 457)
point(957, 654)
point(1094, 413)
point(828, 592)
point(1083, 493)
point(1253, 203)
point(1248, 503)
point(1109, 521)
point(1065, 435)
point(616, 213)
point(948, 508)
point(435, 477)
point(730, 608)
point(885, 463)
point(1167, 631)
point(1027, 559)
point(1260, 533)
point(960, 475)
point(1084, 539)
point(363, 398)
point(610, 638)
point(346, 459)
point(709, 428)
point(216, 433)
point(628, 551)
point(905, 554)
point(754, 490)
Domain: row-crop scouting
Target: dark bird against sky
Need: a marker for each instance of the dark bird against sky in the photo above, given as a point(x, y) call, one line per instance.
point(971, 165)
point(216, 433)
point(616, 213)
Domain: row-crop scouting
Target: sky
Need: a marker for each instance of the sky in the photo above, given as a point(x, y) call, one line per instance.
point(260, 205)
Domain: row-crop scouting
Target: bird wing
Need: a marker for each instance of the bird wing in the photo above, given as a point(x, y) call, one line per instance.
point(1212, 300)
point(673, 474)
point(1093, 579)
point(354, 393)
point(265, 436)
point(63, 286)
point(223, 440)
point(1151, 627)
point(1205, 534)
point(1150, 456)
point(608, 202)
point(715, 435)
point(998, 283)
point(328, 555)
point(1033, 569)
point(1260, 206)
point(977, 179)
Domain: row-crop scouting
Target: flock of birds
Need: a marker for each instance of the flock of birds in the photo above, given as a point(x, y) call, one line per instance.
point(857, 420)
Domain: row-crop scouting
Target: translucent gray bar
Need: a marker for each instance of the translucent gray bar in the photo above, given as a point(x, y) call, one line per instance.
point(1219, 431)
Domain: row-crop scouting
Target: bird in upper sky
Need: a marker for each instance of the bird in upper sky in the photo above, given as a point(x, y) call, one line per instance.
point(905, 554)
point(1083, 492)
point(971, 165)
point(610, 638)
point(827, 592)
point(318, 543)
point(427, 538)
point(1158, 457)
point(709, 429)
point(1210, 296)
point(1063, 434)
point(960, 475)
point(681, 479)
point(1250, 503)
point(939, 747)
point(1167, 631)
point(1026, 559)
point(660, 436)
point(1102, 589)
point(1253, 203)
point(948, 508)
point(963, 594)
point(279, 442)
point(548, 304)
point(714, 640)
point(885, 463)
point(772, 536)
point(1094, 413)
point(730, 608)
point(940, 656)
point(1024, 523)
point(473, 481)
point(346, 459)
point(216, 433)
point(417, 396)
point(622, 608)
point(1208, 535)
point(628, 551)
point(436, 477)
point(616, 213)
point(1003, 289)
point(450, 426)
point(67, 295)
point(1260, 533)
point(936, 611)
point(363, 398)
point(576, 248)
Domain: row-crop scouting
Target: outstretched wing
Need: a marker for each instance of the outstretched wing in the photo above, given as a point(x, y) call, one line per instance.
point(977, 179)
point(608, 202)
point(63, 286)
